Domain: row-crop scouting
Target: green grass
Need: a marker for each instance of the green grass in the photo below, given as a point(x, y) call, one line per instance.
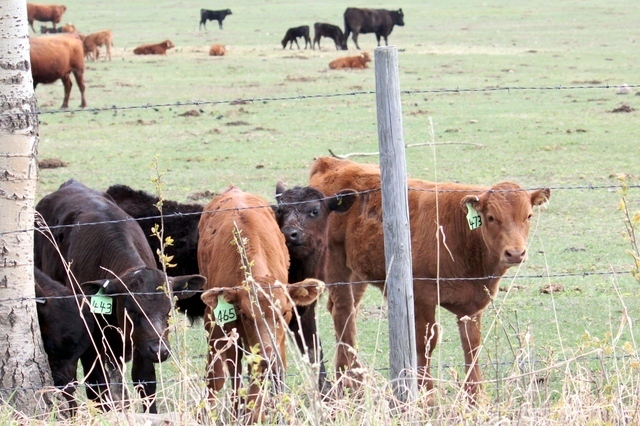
point(565, 139)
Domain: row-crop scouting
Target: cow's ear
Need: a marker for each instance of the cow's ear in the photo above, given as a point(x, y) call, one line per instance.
point(473, 200)
point(280, 188)
point(184, 285)
point(92, 287)
point(305, 292)
point(210, 297)
point(342, 201)
point(540, 196)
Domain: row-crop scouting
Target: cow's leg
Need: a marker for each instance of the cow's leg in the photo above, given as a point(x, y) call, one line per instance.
point(378, 39)
point(143, 375)
point(66, 83)
point(385, 41)
point(79, 75)
point(343, 312)
point(355, 39)
point(220, 23)
point(470, 336)
point(95, 377)
point(296, 40)
point(426, 339)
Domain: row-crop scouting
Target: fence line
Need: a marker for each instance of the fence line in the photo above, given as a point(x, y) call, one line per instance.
point(456, 90)
point(367, 191)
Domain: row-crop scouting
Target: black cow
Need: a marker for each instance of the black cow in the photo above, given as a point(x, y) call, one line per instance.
point(66, 335)
point(303, 217)
point(110, 257)
point(293, 34)
point(213, 15)
point(331, 31)
point(180, 222)
point(378, 21)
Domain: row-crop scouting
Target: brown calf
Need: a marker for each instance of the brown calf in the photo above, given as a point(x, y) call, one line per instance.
point(91, 43)
point(358, 62)
point(217, 50)
point(154, 49)
point(56, 57)
point(44, 13)
point(442, 244)
point(257, 301)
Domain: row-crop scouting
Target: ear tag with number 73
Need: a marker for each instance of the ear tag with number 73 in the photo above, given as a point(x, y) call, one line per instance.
point(101, 304)
point(473, 217)
point(224, 312)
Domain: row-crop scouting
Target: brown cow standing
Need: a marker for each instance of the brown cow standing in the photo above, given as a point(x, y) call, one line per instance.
point(154, 49)
point(56, 57)
point(44, 13)
point(356, 253)
point(356, 62)
point(91, 43)
point(258, 296)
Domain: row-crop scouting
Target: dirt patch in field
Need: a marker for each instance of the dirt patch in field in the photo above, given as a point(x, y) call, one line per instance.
point(299, 79)
point(587, 82)
point(202, 195)
point(142, 122)
point(623, 108)
point(190, 113)
point(51, 163)
point(237, 123)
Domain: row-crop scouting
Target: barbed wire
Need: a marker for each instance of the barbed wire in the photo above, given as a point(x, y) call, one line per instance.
point(256, 100)
point(590, 187)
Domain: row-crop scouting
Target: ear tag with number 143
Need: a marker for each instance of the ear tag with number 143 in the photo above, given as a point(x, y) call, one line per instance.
point(473, 217)
point(224, 312)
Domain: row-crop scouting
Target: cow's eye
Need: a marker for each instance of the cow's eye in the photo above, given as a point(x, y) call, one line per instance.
point(529, 217)
point(490, 218)
point(314, 213)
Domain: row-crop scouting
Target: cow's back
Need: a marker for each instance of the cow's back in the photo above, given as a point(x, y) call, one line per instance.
point(265, 245)
point(52, 56)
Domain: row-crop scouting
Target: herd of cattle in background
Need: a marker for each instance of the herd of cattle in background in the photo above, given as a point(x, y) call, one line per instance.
point(57, 57)
point(329, 231)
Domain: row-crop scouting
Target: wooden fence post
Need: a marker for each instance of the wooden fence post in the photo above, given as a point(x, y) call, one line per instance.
point(397, 236)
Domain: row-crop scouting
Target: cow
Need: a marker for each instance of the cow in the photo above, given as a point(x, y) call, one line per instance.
point(213, 15)
point(45, 13)
point(378, 21)
point(355, 62)
point(47, 30)
point(217, 50)
point(154, 49)
point(302, 214)
point(66, 326)
point(111, 262)
point(247, 293)
point(55, 58)
point(328, 30)
point(91, 42)
point(443, 247)
point(292, 35)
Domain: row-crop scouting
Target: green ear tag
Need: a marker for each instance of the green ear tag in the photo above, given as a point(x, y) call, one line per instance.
point(473, 217)
point(224, 312)
point(101, 304)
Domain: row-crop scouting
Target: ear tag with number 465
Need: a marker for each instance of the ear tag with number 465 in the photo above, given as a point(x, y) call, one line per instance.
point(101, 304)
point(473, 217)
point(224, 312)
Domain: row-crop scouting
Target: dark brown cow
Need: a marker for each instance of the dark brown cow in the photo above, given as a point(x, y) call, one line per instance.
point(292, 35)
point(44, 13)
point(154, 49)
point(378, 21)
point(333, 32)
point(257, 299)
point(66, 335)
point(303, 217)
point(107, 252)
point(56, 57)
point(451, 251)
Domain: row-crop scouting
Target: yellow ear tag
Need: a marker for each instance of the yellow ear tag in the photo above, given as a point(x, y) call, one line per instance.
point(473, 217)
point(224, 312)
point(101, 304)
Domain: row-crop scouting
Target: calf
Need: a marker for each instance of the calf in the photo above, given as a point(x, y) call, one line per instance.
point(217, 50)
point(154, 49)
point(213, 15)
point(378, 21)
point(55, 58)
point(293, 34)
point(247, 291)
point(303, 215)
point(66, 326)
point(356, 62)
point(110, 258)
point(441, 250)
point(91, 43)
point(327, 30)
point(47, 30)
point(44, 13)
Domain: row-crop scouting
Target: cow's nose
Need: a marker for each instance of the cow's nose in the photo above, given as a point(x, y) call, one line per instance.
point(292, 234)
point(160, 350)
point(515, 256)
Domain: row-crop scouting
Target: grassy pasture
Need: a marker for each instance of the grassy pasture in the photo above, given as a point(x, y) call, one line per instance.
point(568, 140)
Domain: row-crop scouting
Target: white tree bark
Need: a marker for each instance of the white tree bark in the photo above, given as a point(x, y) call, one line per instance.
point(24, 369)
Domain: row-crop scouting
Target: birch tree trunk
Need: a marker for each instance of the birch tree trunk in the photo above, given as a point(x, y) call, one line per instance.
point(24, 369)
